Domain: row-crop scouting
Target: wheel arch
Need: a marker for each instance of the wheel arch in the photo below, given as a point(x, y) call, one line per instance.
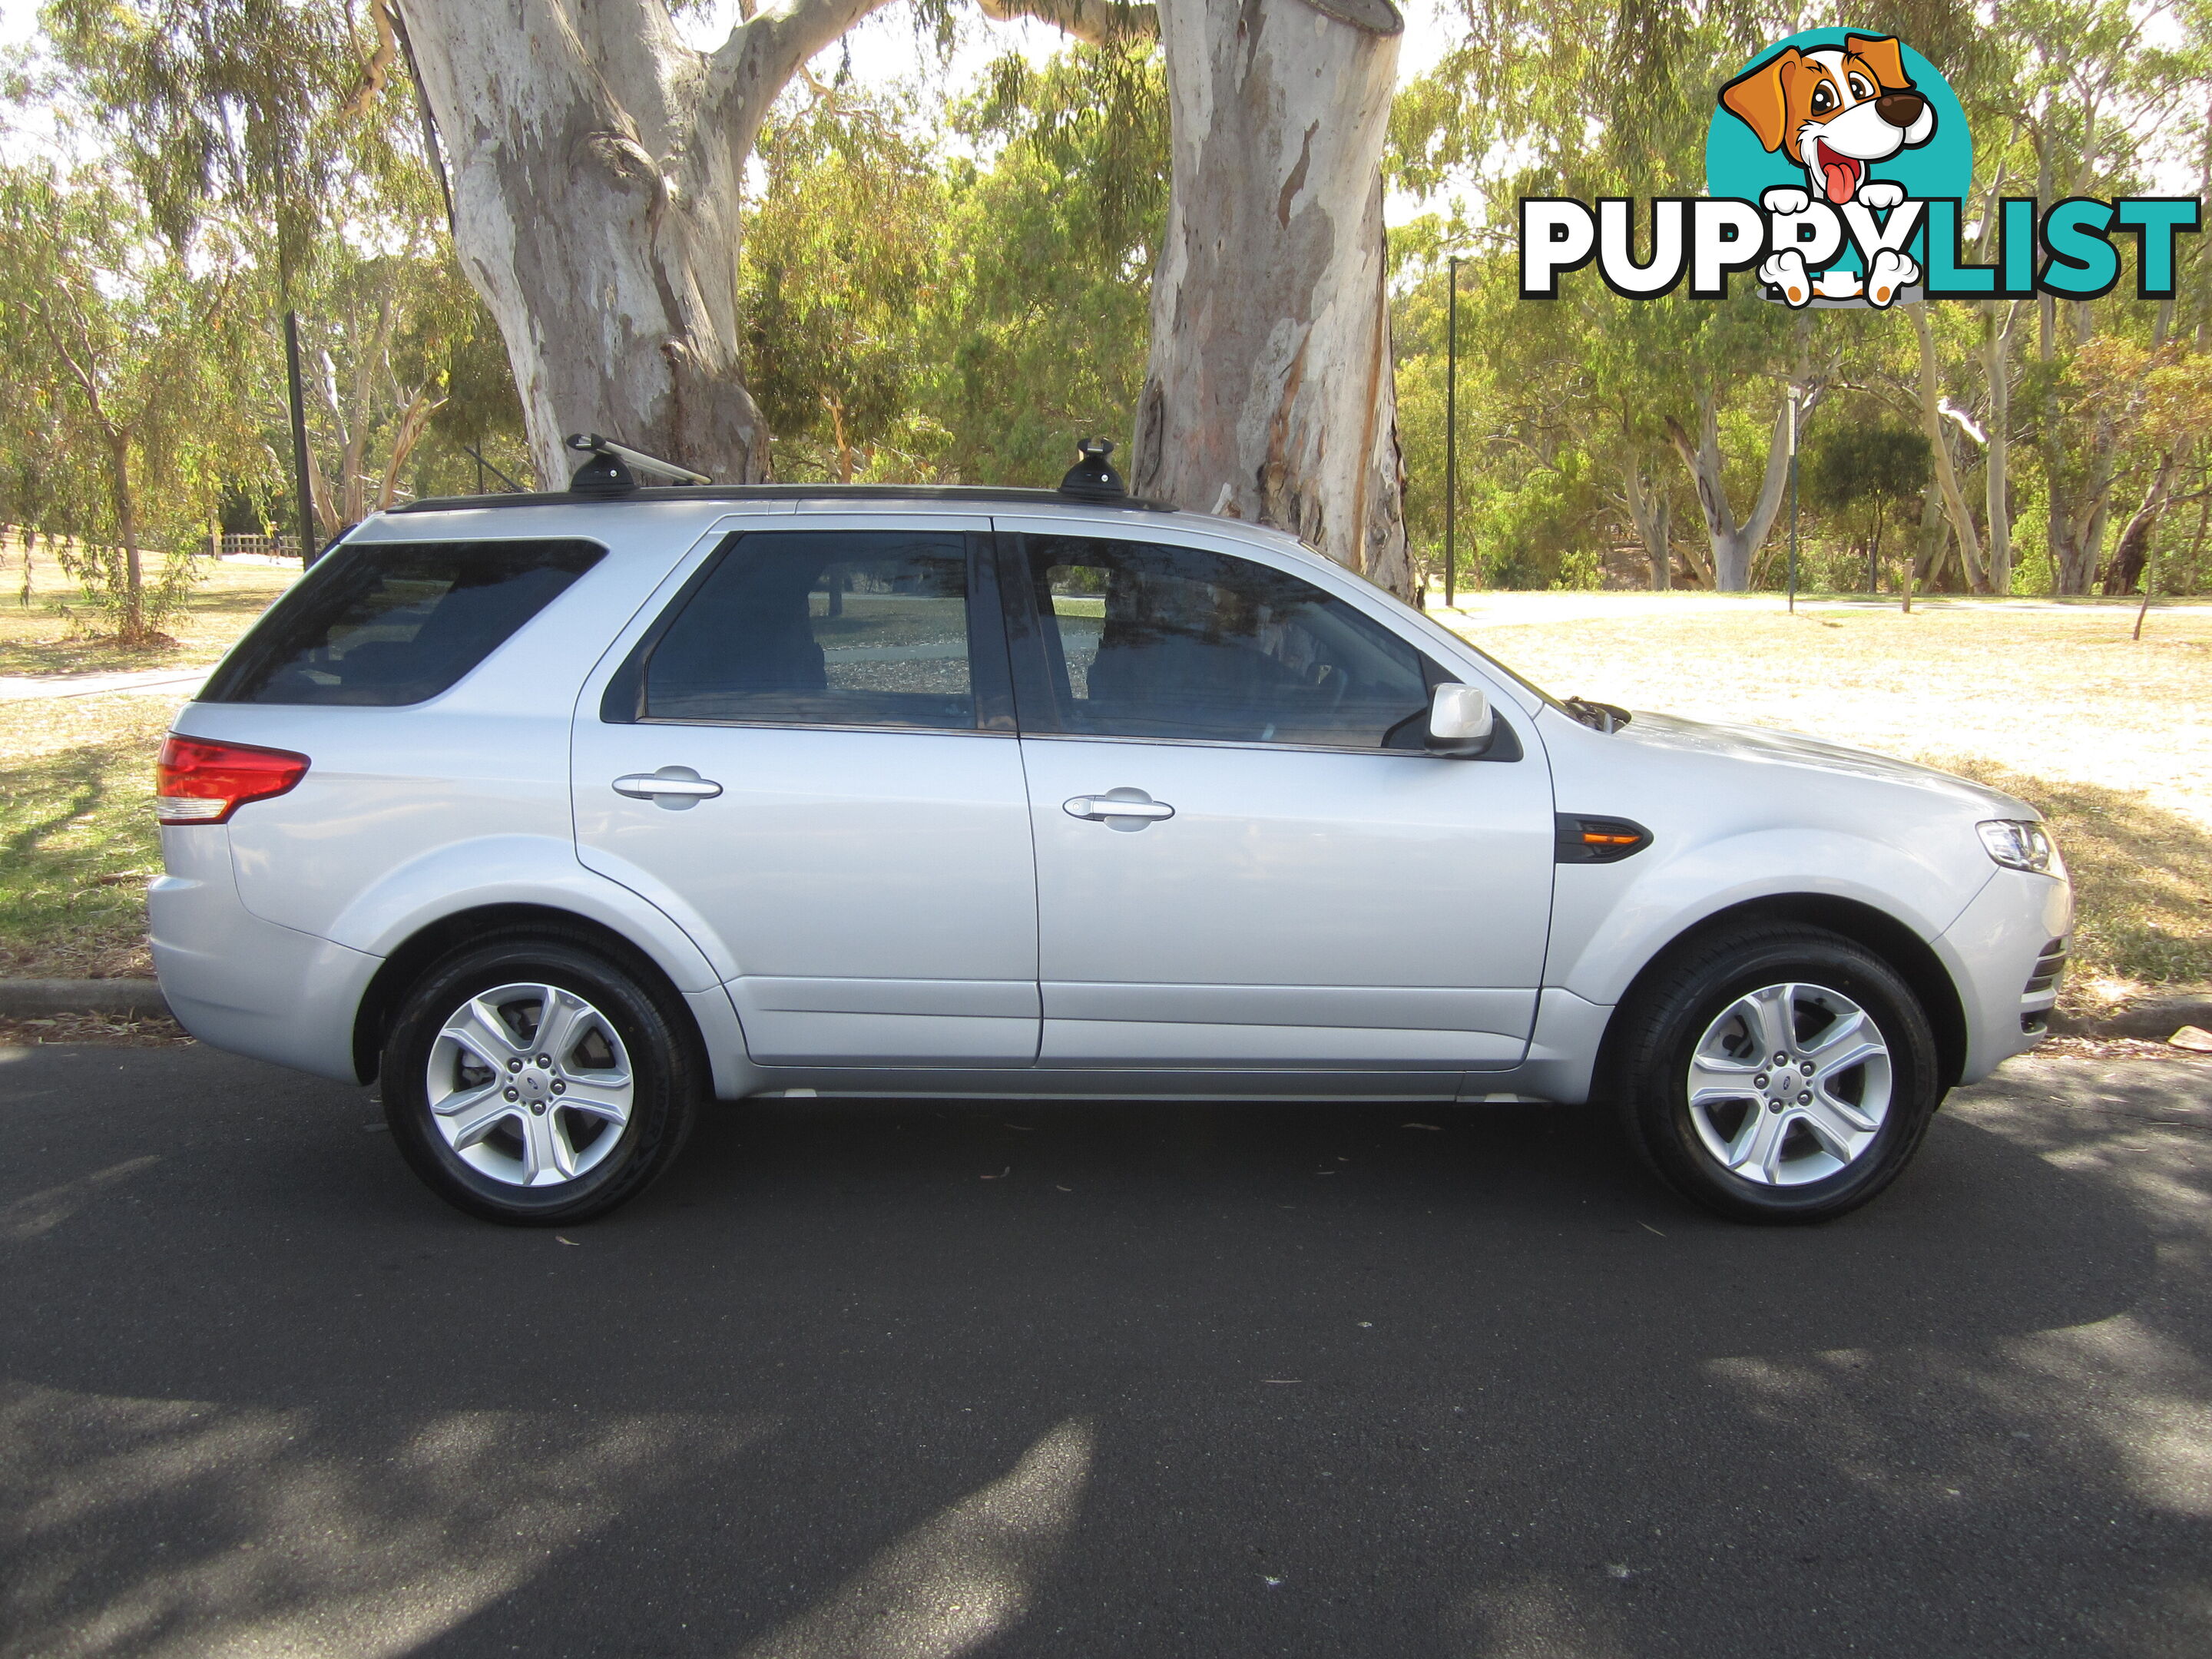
point(406, 964)
point(1912, 957)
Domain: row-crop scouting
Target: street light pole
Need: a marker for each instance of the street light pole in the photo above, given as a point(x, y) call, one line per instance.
point(1451, 434)
point(1793, 499)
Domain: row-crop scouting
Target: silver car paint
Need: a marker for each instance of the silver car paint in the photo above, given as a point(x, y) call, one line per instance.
point(414, 814)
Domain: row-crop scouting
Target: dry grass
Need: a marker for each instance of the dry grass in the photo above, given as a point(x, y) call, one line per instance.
point(36, 639)
point(110, 1030)
point(2053, 702)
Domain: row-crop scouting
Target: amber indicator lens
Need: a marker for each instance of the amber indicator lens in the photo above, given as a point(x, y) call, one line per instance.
point(1580, 840)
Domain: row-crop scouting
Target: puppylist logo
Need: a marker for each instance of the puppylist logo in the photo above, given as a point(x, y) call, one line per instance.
point(1838, 163)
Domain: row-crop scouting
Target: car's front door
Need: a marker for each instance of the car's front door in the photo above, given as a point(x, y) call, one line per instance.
point(810, 758)
point(1245, 858)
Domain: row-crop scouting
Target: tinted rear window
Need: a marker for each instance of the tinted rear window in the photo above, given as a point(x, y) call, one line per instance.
point(391, 622)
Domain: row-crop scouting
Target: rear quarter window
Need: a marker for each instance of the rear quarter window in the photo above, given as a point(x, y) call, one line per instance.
point(385, 624)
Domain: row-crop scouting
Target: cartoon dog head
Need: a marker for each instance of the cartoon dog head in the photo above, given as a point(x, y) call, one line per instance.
point(1833, 110)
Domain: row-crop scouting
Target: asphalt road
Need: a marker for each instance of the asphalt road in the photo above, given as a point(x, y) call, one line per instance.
point(867, 1380)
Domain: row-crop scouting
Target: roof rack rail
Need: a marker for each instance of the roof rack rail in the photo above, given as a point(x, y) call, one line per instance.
point(1091, 482)
point(607, 470)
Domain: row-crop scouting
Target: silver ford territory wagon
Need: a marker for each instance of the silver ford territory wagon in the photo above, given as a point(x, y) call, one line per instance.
point(556, 814)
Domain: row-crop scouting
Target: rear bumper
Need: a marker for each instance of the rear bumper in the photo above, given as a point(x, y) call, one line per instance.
point(243, 984)
point(1992, 952)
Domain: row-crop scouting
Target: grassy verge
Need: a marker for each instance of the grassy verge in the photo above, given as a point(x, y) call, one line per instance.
point(36, 638)
point(77, 842)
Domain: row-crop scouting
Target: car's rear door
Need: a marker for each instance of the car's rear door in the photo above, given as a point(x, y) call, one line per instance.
point(808, 756)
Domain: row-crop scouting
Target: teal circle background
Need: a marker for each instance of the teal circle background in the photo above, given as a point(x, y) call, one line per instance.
point(1944, 166)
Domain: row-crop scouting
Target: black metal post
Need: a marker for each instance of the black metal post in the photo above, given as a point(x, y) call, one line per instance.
point(1451, 435)
point(1793, 498)
point(306, 496)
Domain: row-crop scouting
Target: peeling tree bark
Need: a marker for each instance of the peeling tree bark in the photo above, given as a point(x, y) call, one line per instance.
point(1269, 393)
point(597, 164)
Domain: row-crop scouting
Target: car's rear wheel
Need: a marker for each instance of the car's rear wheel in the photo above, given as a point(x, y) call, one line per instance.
point(1777, 1074)
point(534, 1081)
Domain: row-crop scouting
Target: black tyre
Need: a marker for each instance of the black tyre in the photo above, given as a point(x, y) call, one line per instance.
point(1779, 1073)
point(532, 1080)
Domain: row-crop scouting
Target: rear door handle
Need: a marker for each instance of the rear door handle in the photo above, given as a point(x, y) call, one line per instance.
point(1117, 803)
point(671, 782)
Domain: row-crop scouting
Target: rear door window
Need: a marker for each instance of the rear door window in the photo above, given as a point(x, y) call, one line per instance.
point(819, 628)
point(385, 624)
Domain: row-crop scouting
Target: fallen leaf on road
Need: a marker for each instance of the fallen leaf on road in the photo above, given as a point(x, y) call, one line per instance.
point(567, 1241)
point(1001, 1176)
point(1439, 1128)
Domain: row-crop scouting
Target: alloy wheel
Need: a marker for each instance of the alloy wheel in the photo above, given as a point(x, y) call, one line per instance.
point(1788, 1085)
point(530, 1084)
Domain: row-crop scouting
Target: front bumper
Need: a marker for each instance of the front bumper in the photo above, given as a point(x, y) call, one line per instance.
point(1993, 950)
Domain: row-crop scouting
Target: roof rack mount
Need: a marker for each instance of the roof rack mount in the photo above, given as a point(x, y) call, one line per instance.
point(608, 472)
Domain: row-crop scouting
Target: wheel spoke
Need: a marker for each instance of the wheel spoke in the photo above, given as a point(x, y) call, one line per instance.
point(463, 1100)
point(1714, 1079)
point(476, 1027)
point(614, 1109)
point(472, 1129)
point(1757, 1151)
point(1836, 1126)
point(559, 1022)
point(545, 1150)
point(1847, 1042)
point(1842, 1112)
point(1772, 1010)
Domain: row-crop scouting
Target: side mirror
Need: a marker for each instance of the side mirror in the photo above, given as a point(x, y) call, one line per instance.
point(1460, 724)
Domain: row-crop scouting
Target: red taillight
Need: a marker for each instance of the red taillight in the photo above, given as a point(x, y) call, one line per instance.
point(197, 782)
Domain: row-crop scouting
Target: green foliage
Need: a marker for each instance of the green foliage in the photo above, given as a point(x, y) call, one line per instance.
point(241, 105)
point(964, 301)
point(1562, 403)
point(119, 347)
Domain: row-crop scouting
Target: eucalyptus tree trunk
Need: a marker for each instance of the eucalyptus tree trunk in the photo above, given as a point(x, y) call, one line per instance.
point(1939, 444)
point(1732, 542)
point(596, 164)
point(1998, 320)
point(1269, 394)
point(1648, 507)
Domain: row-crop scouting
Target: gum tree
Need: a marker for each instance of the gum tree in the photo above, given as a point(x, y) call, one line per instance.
point(1269, 394)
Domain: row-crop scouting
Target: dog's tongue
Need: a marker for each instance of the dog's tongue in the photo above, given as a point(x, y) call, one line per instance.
point(1842, 175)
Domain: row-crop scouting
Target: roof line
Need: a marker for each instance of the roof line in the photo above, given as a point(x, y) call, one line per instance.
point(783, 493)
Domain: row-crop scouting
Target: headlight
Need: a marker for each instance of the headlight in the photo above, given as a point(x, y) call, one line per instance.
point(2020, 844)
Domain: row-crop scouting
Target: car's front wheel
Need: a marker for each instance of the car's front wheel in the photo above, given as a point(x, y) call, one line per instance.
point(1777, 1074)
point(534, 1081)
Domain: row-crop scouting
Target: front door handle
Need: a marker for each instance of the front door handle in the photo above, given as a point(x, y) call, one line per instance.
point(671, 786)
point(1118, 809)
